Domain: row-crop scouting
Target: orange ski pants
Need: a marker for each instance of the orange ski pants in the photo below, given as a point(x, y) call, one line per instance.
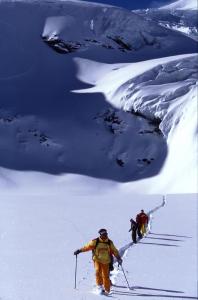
point(102, 275)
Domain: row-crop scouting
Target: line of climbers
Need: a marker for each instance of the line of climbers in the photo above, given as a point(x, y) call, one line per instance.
point(103, 250)
point(139, 227)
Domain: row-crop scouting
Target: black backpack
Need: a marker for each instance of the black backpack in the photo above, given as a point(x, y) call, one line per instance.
point(111, 268)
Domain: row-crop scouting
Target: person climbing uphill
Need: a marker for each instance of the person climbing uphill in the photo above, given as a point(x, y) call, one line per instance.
point(102, 248)
point(142, 223)
point(134, 227)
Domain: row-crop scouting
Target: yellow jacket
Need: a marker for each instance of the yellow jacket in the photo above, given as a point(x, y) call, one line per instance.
point(102, 252)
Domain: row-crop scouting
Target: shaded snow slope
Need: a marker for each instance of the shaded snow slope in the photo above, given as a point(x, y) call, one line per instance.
point(184, 21)
point(46, 127)
point(152, 113)
point(110, 28)
point(182, 4)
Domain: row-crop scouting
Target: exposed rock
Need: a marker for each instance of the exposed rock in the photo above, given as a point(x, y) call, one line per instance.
point(61, 46)
point(120, 162)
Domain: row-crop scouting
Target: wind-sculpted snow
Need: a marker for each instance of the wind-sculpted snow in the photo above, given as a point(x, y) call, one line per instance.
point(152, 94)
point(160, 92)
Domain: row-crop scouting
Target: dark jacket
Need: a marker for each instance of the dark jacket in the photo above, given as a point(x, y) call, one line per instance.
point(134, 225)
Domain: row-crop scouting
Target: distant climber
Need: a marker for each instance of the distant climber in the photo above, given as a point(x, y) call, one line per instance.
point(102, 249)
point(134, 227)
point(142, 223)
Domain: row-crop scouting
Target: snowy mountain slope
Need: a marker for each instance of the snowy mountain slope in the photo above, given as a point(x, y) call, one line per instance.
point(182, 4)
point(180, 16)
point(39, 235)
point(163, 92)
point(184, 21)
point(51, 129)
point(156, 106)
point(86, 123)
point(111, 28)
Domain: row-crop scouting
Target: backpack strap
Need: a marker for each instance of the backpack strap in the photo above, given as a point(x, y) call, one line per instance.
point(109, 242)
point(97, 242)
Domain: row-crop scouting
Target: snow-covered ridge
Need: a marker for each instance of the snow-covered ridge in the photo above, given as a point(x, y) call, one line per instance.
point(184, 21)
point(156, 82)
point(88, 133)
point(108, 27)
point(163, 92)
point(55, 2)
point(182, 4)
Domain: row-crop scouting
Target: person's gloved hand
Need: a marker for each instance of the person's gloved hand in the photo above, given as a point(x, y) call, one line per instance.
point(119, 261)
point(77, 252)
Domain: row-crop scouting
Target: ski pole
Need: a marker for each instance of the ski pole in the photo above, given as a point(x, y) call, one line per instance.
point(125, 277)
point(75, 272)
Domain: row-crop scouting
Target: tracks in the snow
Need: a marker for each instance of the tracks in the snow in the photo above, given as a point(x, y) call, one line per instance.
point(123, 250)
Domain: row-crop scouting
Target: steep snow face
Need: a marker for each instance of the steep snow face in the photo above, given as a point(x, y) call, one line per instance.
point(184, 21)
point(49, 128)
point(163, 92)
point(182, 4)
point(106, 27)
point(179, 16)
point(110, 28)
point(149, 91)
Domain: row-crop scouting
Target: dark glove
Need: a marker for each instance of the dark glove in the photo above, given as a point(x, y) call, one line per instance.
point(119, 261)
point(77, 252)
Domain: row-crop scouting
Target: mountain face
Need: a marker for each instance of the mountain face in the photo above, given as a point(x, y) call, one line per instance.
point(94, 90)
point(110, 28)
point(184, 21)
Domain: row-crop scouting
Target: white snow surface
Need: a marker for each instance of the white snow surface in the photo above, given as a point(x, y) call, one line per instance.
point(182, 4)
point(39, 235)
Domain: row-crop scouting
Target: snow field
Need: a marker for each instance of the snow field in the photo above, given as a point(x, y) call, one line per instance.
point(39, 235)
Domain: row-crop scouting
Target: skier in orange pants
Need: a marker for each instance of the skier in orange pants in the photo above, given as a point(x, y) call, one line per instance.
point(102, 275)
point(102, 248)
